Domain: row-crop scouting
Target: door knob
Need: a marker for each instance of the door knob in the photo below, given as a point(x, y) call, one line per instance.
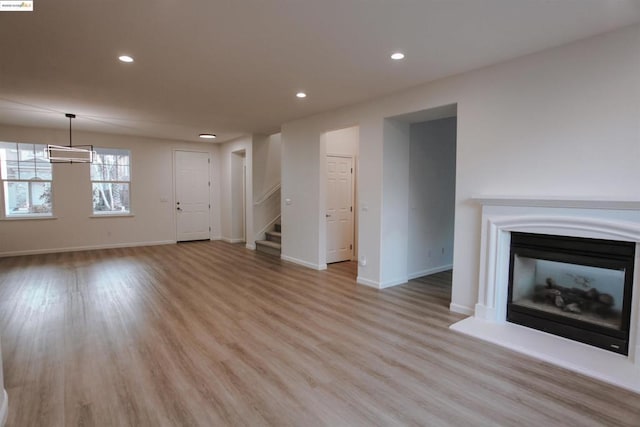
point(327, 215)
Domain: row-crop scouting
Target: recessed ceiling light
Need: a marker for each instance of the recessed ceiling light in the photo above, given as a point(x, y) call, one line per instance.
point(396, 56)
point(207, 136)
point(125, 58)
point(301, 95)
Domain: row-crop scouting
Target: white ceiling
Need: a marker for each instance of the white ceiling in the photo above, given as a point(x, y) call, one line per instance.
point(233, 67)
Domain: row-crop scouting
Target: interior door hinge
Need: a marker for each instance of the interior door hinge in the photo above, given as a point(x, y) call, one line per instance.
point(351, 170)
point(350, 246)
point(351, 208)
point(209, 161)
point(209, 228)
point(209, 206)
point(209, 183)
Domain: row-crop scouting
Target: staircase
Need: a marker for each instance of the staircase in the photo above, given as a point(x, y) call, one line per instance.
point(272, 244)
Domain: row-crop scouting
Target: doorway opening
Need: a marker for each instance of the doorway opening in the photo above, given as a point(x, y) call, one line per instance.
point(339, 220)
point(419, 185)
point(238, 196)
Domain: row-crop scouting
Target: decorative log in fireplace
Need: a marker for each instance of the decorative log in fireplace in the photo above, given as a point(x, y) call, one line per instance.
point(577, 288)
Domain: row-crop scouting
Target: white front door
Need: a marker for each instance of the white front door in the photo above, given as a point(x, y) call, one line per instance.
point(192, 195)
point(339, 208)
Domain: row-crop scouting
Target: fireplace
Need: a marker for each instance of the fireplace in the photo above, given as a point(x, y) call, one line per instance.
point(596, 236)
point(577, 288)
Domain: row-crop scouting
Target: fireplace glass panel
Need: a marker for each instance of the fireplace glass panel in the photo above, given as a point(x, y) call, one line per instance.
point(580, 292)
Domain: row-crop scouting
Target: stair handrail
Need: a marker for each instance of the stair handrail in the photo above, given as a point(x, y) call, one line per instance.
point(273, 190)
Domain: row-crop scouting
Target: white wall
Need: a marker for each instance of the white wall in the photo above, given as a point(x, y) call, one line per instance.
point(266, 163)
point(562, 122)
point(395, 203)
point(432, 185)
point(238, 196)
point(342, 142)
point(153, 219)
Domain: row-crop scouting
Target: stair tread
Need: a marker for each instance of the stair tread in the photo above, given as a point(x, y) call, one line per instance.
point(269, 243)
point(274, 233)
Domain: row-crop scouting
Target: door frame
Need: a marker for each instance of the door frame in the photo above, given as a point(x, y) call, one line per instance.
point(324, 204)
point(238, 182)
point(174, 189)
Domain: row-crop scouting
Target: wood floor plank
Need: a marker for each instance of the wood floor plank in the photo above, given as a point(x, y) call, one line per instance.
point(209, 333)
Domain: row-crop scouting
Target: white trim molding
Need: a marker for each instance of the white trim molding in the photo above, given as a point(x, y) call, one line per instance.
point(611, 220)
point(367, 282)
point(232, 240)
point(429, 271)
point(86, 248)
point(304, 263)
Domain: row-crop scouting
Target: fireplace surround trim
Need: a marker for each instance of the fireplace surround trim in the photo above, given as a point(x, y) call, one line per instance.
point(611, 220)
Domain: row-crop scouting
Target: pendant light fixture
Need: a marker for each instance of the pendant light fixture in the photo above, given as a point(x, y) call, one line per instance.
point(70, 153)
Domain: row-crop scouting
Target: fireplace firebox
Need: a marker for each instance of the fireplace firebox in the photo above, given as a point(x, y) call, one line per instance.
point(577, 288)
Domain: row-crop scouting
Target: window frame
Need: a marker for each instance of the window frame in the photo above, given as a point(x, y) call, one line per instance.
point(4, 183)
point(100, 151)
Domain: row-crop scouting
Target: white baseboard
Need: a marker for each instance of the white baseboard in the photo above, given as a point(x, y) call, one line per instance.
point(250, 246)
point(380, 285)
point(4, 408)
point(85, 248)
point(394, 282)
point(230, 240)
point(367, 282)
point(429, 271)
point(304, 263)
point(462, 309)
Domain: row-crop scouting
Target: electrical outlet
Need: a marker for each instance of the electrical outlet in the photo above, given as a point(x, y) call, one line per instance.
point(362, 260)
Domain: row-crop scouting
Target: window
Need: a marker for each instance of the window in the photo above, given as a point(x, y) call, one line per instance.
point(26, 180)
point(111, 180)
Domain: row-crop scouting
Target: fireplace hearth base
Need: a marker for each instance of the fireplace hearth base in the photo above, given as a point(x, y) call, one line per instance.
point(585, 219)
point(573, 355)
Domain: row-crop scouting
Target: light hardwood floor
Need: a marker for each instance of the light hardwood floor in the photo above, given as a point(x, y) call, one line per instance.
point(211, 334)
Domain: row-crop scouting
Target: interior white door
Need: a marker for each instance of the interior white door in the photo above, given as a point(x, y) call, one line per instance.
point(339, 209)
point(192, 195)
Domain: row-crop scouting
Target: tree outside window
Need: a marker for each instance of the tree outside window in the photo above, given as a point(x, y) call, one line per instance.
point(26, 180)
point(111, 181)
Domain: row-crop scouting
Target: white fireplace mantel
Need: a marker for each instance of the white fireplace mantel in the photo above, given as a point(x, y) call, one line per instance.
point(558, 202)
point(603, 219)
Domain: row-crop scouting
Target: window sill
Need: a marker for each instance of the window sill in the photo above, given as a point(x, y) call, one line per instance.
point(26, 218)
point(112, 215)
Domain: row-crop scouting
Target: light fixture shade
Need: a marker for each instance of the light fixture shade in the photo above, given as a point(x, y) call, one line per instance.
point(70, 153)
